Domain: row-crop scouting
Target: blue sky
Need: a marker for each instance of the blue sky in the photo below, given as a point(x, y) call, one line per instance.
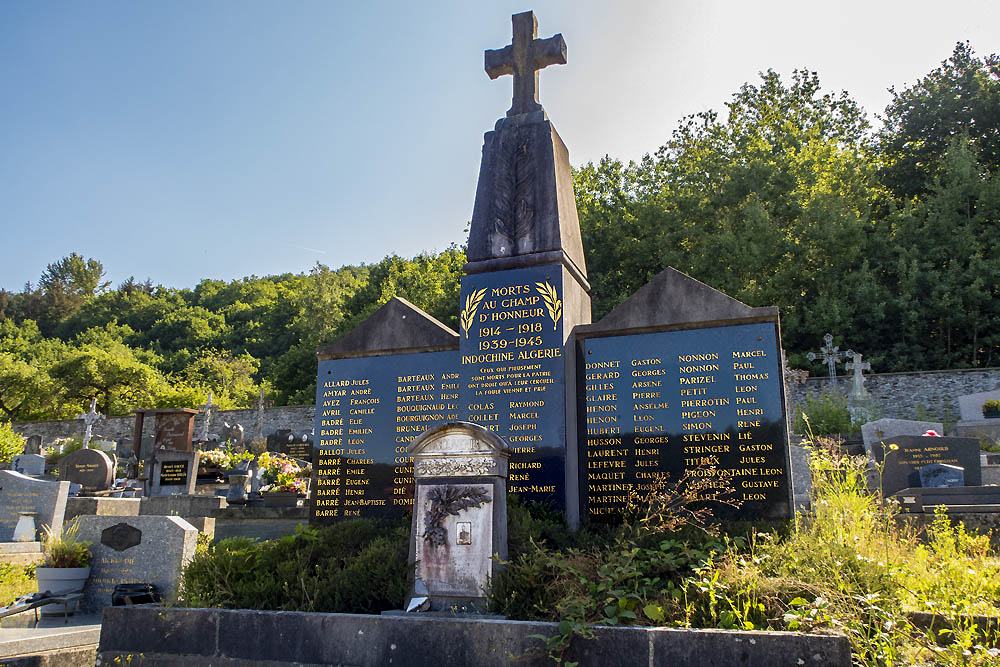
point(191, 139)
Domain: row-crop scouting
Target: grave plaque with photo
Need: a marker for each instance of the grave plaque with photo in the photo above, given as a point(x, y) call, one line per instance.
point(367, 411)
point(911, 453)
point(707, 402)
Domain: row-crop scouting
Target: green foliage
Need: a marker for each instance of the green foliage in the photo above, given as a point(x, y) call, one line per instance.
point(826, 414)
point(15, 581)
point(11, 443)
point(991, 406)
point(63, 549)
point(357, 566)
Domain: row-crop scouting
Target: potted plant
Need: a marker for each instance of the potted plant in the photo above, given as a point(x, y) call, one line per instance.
point(991, 409)
point(65, 568)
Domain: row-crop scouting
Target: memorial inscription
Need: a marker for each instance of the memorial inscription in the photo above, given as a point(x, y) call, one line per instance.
point(367, 411)
point(173, 473)
point(513, 381)
point(657, 407)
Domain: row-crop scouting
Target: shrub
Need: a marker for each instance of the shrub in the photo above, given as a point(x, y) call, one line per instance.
point(357, 566)
point(63, 549)
point(826, 414)
point(11, 443)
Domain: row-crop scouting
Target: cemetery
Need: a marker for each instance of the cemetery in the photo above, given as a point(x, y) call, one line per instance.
point(536, 478)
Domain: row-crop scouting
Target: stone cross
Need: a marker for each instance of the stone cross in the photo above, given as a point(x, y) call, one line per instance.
point(831, 356)
point(859, 379)
point(208, 416)
point(90, 419)
point(523, 57)
point(260, 415)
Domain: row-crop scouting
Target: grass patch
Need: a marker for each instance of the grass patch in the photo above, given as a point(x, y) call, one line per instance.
point(15, 581)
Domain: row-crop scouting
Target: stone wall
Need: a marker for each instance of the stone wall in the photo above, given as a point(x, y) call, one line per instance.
point(297, 418)
point(927, 395)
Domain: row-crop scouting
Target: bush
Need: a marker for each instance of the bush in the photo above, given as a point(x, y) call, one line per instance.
point(11, 443)
point(357, 566)
point(15, 581)
point(826, 414)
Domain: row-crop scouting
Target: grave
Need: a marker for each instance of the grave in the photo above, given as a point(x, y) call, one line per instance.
point(29, 464)
point(679, 381)
point(20, 493)
point(33, 445)
point(882, 429)
point(174, 429)
point(173, 472)
point(459, 515)
point(902, 465)
point(974, 423)
point(90, 468)
point(937, 475)
point(134, 549)
point(89, 419)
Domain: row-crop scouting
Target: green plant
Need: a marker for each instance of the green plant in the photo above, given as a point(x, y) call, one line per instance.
point(281, 473)
point(60, 447)
point(15, 581)
point(992, 405)
point(826, 414)
point(63, 549)
point(11, 443)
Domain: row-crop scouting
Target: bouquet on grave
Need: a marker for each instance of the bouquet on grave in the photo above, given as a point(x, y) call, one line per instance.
point(279, 472)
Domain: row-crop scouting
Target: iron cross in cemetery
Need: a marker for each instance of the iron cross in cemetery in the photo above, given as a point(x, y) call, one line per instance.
point(523, 57)
point(90, 419)
point(831, 356)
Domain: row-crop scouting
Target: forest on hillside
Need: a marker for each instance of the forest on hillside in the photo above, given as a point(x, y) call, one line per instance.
point(884, 233)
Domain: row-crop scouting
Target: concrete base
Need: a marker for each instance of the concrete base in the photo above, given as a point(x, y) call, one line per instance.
point(54, 641)
point(190, 637)
point(21, 553)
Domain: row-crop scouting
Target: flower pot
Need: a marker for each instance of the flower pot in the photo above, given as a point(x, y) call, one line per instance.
point(991, 414)
point(24, 531)
point(61, 580)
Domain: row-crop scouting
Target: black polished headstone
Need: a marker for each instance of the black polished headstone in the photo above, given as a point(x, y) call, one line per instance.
point(936, 475)
point(90, 468)
point(904, 455)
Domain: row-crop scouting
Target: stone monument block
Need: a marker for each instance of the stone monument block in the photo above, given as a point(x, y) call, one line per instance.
point(20, 493)
point(883, 429)
point(905, 455)
point(29, 464)
point(173, 472)
point(134, 550)
point(460, 514)
point(970, 406)
point(90, 468)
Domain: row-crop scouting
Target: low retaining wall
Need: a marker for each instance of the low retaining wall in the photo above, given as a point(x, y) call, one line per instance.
point(159, 636)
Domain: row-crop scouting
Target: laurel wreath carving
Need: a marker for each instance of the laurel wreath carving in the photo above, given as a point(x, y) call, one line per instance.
point(514, 194)
point(445, 500)
point(552, 302)
point(468, 314)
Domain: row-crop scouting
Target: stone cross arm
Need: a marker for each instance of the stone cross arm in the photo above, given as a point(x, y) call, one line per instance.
point(523, 57)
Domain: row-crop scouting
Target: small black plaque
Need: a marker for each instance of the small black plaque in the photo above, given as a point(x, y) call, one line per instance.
point(173, 473)
point(121, 536)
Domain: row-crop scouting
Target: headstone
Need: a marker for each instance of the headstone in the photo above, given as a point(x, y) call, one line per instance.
point(132, 550)
point(911, 453)
point(174, 428)
point(92, 469)
point(29, 464)
point(934, 475)
point(459, 531)
point(20, 493)
point(882, 429)
point(173, 472)
point(970, 406)
point(33, 445)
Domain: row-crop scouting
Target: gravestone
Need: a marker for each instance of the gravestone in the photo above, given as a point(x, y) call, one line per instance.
point(134, 549)
point(459, 528)
point(903, 464)
point(174, 428)
point(882, 429)
point(970, 406)
point(33, 445)
point(92, 469)
point(20, 493)
point(29, 464)
point(173, 472)
point(937, 475)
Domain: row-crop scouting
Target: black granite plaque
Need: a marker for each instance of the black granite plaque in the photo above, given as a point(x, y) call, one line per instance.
point(912, 452)
point(513, 372)
point(367, 411)
point(121, 536)
point(656, 408)
point(173, 473)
